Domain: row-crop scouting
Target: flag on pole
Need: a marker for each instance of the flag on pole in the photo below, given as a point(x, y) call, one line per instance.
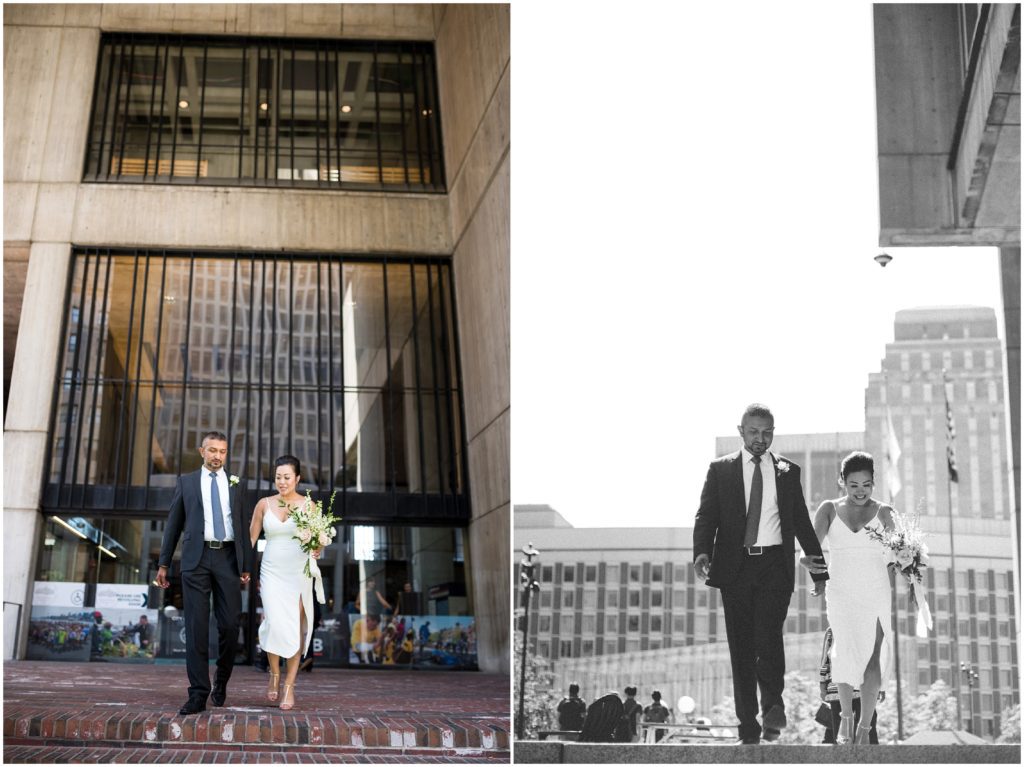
point(892, 457)
point(950, 432)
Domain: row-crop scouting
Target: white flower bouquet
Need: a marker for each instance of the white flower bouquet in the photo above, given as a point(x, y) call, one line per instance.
point(904, 546)
point(906, 552)
point(315, 526)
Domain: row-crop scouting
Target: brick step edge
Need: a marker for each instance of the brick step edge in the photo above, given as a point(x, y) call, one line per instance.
point(250, 748)
point(85, 731)
point(37, 754)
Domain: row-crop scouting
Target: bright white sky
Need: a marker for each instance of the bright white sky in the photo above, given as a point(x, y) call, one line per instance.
point(681, 183)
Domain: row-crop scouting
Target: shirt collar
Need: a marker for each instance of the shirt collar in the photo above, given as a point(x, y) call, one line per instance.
point(747, 455)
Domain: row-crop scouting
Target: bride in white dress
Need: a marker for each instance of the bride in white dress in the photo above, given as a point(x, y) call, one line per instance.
point(286, 592)
point(858, 593)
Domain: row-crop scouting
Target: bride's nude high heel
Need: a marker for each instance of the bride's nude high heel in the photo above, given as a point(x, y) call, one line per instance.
point(287, 706)
point(275, 681)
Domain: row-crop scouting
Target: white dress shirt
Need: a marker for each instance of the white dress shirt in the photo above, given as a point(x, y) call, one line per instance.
point(769, 530)
point(205, 484)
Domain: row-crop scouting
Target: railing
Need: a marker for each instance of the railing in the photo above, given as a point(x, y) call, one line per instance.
point(12, 634)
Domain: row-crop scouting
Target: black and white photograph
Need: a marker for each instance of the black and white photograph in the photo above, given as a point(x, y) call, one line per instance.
point(766, 442)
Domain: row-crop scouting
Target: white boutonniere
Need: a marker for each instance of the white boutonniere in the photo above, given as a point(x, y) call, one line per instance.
point(781, 467)
point(233, 480)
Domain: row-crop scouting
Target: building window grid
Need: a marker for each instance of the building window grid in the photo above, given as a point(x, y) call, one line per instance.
point(74, 470)
point(264, 111)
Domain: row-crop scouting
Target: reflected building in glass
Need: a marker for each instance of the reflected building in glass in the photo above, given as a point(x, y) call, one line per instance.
point(296, 233)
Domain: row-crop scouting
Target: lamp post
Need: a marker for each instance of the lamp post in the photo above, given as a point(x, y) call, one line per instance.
point(972, 678)
point(527, 568)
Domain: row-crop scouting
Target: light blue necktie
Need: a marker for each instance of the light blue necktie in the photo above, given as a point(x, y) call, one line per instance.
point(218, 515)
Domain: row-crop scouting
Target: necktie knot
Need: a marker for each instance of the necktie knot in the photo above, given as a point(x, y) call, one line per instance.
point(756, 459)
point(213, 474)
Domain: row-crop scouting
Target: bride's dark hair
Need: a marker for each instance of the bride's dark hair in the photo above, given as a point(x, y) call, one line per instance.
point(288, 460)
point(857, 461)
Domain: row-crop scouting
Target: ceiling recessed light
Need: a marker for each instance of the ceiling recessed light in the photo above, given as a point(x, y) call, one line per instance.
point(346, 108)
point(264, 106)
point(183, 104)
point(428, 112)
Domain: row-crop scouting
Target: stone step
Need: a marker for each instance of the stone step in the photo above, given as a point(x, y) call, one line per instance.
point(548, 752)
point(33, 753)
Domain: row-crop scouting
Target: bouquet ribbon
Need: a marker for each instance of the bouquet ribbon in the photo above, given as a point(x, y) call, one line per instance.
point(924, 615)
point(318, 581)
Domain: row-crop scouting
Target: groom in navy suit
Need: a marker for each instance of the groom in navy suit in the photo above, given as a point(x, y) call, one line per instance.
point(215, 559)
point(751, 508)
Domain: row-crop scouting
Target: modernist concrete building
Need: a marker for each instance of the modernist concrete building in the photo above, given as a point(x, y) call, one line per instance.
point(948, 109)
point(290, 223)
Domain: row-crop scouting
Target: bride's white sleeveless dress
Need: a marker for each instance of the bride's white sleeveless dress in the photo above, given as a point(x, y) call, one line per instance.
point(282, 582)
point(858, 597)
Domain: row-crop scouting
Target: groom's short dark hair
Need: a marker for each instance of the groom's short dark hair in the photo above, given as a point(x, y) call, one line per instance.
point(218, 435)
point(757, 410)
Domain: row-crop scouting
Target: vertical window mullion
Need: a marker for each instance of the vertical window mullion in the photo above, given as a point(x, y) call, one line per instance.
point(149, 122)
point(418, 109)
point(317, 382)
point(111, 48)
point(273, 359)
point(419, 382)
point(277, 115)
point(447, 349)
point(202, 108)
point(389, 388)
point(163, 102)
point(291, 131)
point(138, 377)
point(290, 356)
point(436, 377)
point(85, 372)
point(124, 119)
point(330, 375)
point(177, 109)
point(401, 118)
point(434, 133)
point(231, 343)
point(341, 361)
point(185, 362)
point(72, 387)
point(316, 121)
point(263, 357)
point(256, 114)
point(241, 114)
point(337, 114)
point(100, 348)
point(376, 109)
point(124, 381)
point(156, 372)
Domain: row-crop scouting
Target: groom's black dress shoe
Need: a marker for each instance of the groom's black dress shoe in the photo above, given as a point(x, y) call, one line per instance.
point(192, 706)
point(748, 741)
point(219, 693)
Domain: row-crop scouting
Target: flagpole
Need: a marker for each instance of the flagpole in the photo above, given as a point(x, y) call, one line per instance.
point(954, 630)
point(890, 440)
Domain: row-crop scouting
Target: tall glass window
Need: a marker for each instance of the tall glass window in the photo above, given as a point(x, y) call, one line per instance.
point(348, 363)
point(265, 112)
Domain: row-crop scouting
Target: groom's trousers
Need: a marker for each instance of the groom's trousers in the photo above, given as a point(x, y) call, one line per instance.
point(216, 574)
point(756, 603)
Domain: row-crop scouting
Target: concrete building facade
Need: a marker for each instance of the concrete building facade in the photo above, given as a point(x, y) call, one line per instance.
point(53, 215)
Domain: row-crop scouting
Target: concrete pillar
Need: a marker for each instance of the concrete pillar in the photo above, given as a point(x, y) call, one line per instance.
point(27, 420)
point(473, 63)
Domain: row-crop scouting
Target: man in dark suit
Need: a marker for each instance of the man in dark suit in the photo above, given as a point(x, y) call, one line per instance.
point(751, 508)
point(215, 559)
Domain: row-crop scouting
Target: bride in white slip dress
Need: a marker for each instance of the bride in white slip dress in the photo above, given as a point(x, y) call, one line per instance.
point(286, 592)
point(858, 594)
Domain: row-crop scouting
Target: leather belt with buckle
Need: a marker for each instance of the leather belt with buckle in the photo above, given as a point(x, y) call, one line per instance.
point(216, 544)
point(756, 551)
